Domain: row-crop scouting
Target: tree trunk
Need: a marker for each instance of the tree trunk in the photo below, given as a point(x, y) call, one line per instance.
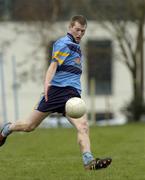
point(137, 102)
point(142, 55)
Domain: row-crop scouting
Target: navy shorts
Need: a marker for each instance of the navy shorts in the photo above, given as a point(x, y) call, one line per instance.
point(57, 97)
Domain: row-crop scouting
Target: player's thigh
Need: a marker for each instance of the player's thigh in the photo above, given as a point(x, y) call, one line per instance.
point(36, 117)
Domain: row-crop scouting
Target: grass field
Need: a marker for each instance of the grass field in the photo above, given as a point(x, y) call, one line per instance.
point(53, 154)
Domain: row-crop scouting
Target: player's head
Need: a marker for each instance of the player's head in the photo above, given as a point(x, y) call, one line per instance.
point(77, 27)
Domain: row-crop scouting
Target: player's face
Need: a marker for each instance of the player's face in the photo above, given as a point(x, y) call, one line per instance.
point(78, 31)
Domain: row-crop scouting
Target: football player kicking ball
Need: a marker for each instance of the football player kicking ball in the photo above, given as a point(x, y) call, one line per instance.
point(62, 82)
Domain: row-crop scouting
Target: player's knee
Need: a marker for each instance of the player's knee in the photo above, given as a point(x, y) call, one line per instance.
point(83, 127)
point(29, 127)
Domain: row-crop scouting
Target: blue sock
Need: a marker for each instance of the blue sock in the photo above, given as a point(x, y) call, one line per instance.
point(6, 130)
point(87, 158)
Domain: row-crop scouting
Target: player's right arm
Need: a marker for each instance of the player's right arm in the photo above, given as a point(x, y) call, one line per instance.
point(59, 54)
point(49, 76)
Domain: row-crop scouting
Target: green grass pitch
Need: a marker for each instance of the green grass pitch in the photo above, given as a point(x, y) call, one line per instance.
point(53, 154)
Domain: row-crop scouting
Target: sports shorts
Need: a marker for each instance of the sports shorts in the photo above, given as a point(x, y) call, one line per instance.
point(57, 97)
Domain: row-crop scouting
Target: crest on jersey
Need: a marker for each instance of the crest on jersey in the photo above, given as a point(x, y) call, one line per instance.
point(77, 60)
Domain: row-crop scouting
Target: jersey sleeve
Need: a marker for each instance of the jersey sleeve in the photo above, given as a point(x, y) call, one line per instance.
point(60, 53)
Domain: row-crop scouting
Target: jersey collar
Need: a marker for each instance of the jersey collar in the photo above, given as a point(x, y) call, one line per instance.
point(71, 37)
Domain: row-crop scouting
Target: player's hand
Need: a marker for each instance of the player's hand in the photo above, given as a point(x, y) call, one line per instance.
point(46, 89)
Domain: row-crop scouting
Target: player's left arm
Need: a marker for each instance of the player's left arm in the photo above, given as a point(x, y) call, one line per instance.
point(49, 76)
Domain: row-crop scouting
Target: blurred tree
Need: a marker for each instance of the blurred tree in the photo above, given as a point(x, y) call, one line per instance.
point(131, 47)
point(36, 10)
point(37, 16)
point(41, 14)
point(5, 6)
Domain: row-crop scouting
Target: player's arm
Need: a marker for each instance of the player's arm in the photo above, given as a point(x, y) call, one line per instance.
point(59, 54)
point(49, 76)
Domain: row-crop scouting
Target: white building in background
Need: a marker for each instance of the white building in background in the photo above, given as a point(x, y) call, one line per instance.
point(21, 48)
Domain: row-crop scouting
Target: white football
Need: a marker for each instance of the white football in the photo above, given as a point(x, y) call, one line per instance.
point(75, 107)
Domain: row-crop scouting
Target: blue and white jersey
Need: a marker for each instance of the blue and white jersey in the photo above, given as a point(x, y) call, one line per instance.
point(68, 55)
